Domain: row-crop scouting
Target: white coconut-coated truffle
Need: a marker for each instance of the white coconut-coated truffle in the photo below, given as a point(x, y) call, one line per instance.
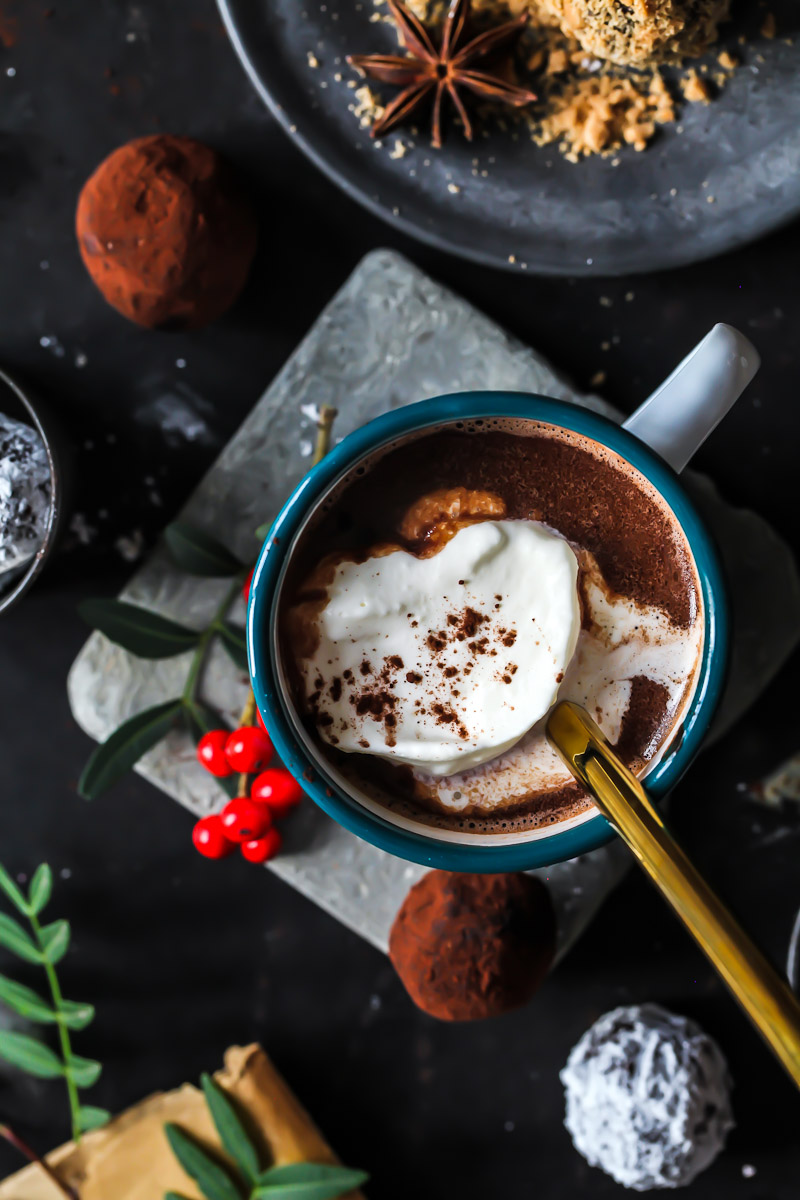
point(647, 1096)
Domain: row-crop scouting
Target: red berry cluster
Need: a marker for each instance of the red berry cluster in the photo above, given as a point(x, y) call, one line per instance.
point(246, 821)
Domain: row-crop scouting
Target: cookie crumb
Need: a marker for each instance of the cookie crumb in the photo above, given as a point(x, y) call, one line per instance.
point(368, 109)
point(695, 89)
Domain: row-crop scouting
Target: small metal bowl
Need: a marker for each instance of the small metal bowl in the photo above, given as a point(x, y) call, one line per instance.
point(19, 405)
point(793, 956)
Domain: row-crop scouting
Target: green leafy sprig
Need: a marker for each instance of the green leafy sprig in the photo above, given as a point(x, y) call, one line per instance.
point(151, 636)
point(248, 1180)
point(148, 635)
point(45, 945)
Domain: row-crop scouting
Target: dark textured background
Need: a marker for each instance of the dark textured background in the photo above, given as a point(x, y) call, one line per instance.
point(183, 956)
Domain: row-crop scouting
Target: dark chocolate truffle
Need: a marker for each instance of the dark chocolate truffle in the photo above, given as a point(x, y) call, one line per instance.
point(166, 233)
point(473, 946)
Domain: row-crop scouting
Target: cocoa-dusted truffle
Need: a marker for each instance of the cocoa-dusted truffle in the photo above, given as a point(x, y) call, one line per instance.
point(473, 946)
point(165, 232)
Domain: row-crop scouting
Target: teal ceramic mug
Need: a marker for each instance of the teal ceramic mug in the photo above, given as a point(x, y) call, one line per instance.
point(657, 441)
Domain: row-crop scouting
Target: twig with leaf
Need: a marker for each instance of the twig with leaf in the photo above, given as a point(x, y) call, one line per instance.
point(151, 636)
point(45, 946)
point(247, 1180)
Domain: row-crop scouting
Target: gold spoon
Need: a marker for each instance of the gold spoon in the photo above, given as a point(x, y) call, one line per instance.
point(764, 996)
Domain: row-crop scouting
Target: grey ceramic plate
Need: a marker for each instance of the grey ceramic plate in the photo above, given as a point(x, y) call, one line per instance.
point(732, 174)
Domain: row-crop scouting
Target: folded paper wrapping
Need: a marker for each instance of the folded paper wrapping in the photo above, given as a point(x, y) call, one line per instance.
point(129, 1159)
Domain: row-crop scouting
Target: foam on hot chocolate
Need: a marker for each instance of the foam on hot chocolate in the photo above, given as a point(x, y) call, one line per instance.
point(636, 657)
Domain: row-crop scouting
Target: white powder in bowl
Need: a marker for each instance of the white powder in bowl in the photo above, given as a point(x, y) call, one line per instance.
point(24, 492)
point(647, 1097)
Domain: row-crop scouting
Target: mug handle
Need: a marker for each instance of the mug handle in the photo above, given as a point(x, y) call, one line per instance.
point(680, 414)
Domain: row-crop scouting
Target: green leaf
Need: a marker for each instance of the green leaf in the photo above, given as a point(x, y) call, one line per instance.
point(307, 1181)
point(263, 531)
point(40, 889)
point(199, 719)
point(26, 1002)
point(85, 1071)
point(30, 1004)
point(125, 746)
point(12, 891)
point(29, 1055)
point(234, 641)
point(55, 940)
point(76, 1015)
point(90, 1117)
point(213, 1180)
point(143, 633)
point(15, 939)
point(197, 553)
point(231, 1132)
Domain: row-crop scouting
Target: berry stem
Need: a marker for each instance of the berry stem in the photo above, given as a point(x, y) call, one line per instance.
point(194, 675)
point(327, 415)
point(8, 1133)
point(248, 717)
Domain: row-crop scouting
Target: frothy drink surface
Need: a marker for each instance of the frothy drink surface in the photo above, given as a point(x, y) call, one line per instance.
point(633, 665)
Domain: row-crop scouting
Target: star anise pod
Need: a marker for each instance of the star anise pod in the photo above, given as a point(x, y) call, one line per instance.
point(443, 70)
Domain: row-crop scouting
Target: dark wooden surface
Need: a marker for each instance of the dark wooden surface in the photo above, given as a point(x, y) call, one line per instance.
point(183, 957)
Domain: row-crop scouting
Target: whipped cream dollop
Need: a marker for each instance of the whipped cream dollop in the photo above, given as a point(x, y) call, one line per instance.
point(444, 662)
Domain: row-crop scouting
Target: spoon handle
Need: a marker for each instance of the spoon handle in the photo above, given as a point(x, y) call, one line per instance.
point(764, 996)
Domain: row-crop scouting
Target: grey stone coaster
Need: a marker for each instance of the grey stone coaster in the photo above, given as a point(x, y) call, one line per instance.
point(391, 336)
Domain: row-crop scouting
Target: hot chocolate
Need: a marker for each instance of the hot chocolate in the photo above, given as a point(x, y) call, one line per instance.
point(458, 582)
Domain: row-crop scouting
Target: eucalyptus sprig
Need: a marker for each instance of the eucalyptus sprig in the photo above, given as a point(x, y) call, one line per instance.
point(247, 1180)
point(45, 946)
point(151, 636)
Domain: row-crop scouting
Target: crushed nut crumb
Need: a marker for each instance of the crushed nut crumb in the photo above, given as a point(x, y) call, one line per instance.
point(695, 89)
